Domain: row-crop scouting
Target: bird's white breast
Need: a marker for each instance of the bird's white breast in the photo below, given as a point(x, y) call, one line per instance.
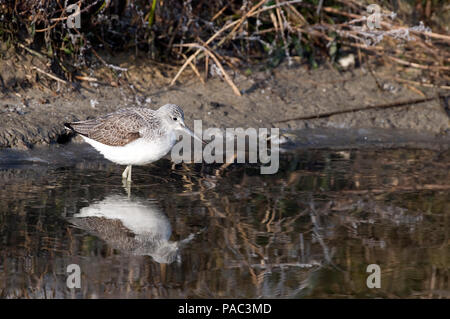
point(139, 152)
point(139, 217)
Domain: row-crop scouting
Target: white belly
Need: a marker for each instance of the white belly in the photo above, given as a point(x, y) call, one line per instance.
point(138, 152)
point(140, 217)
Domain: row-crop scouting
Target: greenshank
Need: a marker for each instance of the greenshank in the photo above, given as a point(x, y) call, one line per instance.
point(133, 136)
point(134, 226)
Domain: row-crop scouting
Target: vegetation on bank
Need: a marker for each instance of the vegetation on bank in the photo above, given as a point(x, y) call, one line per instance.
point(214, 36)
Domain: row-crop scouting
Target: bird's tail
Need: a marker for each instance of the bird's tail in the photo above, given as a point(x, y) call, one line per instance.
point(69, 127)
point(82, 127)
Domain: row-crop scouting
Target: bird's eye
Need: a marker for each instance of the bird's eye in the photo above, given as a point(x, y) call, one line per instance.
point(175, 119)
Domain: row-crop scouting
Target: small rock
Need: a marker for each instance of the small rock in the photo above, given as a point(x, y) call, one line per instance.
point(347, 61)
point(390, 87)
point(94, 103)
point(216, 104)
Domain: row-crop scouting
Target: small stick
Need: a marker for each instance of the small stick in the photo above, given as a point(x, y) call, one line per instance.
point(278, 5)
point(415, 90)
point(194, 68)
point(39, 55)
point(236, 24)
point(319, 7)
point(219, 65)
point(206, 67)
point(224, 28)
point(225, 74)
point(357, 16)
point(192, 57)
point(49, 75)
point(85, 78)
point(427, 85)
point(274, 20)
point(418, 66)
point(220, 12)
point(370, 107)
point(375, 78)
point(225, 59)
point(298, 14)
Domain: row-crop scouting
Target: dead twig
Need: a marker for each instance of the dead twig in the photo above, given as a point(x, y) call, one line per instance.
point(428, 85)
point(415, 90)
point(235, 25)
point(54, 77)
point(418, 66)
point(194, 68)
point(442, 37)
point(33, 52)
point(217, 62)
point(85, 78)
point(370, 107)
point(220, 12)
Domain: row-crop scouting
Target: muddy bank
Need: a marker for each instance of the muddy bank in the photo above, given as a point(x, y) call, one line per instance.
point(33, 114)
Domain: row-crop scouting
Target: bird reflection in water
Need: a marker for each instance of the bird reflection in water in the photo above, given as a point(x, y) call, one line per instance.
point(133, 226)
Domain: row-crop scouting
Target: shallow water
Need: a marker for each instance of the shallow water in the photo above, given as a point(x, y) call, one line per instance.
point(308, 231)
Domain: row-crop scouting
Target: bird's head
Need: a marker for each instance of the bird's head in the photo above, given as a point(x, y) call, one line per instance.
point(173, 116)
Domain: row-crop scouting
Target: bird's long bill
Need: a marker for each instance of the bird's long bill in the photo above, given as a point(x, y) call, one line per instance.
point(185, 129)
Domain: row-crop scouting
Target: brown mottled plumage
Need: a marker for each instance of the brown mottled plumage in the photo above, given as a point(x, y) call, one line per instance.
point(119, 128)
point(116, 235)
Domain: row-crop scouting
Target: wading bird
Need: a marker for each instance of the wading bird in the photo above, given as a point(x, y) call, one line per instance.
point(133, 136)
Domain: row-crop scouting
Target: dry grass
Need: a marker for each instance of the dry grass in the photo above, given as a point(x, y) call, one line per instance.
point(212, 35)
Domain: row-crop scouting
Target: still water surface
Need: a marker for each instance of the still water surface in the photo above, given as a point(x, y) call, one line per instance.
point(308, 231)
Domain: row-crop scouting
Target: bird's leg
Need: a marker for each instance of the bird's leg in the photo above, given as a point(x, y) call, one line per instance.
point(125, 172)
point(127, 186)
point(129, 175)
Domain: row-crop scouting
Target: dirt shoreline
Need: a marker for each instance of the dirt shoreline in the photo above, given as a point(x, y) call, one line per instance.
point(33, 115)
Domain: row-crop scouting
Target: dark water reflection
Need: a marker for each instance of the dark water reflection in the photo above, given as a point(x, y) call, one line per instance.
point(308, 231)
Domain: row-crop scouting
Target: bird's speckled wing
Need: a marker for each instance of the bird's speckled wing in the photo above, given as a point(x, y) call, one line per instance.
point(110, 230)
point(118, 128)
